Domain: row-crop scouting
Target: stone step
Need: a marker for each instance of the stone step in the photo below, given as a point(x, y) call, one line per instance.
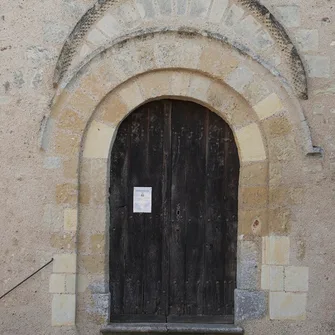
point(181, 328)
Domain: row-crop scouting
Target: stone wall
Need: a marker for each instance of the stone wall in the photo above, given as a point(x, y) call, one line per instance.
point(68, 80)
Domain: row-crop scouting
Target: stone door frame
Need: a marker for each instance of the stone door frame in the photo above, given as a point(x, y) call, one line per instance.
point(268, 129)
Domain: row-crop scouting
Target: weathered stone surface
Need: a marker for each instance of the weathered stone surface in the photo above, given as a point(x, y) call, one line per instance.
point(248, 258)
point(70, 219)
point(276, 250)
point(307, 39)
point(63, 310)
point(255, 196)
point(98, 140)
point(57, 283)
point(250, 142)
point(269, 106)
point(217, 10)
point(52, 163)
point(289, 16)
point(65, 263)
point(250, 305)
point(318, 66)
point(272, 278)
point(287, 306)
point(66, 193)
point(277, 126)
point(252, 221)
point(145, 8)
point(296, 279)
point(254, 174)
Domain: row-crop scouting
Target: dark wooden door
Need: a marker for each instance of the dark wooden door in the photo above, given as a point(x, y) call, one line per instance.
point(177, 263)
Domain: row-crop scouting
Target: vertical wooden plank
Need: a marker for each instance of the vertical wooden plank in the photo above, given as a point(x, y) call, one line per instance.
point(155, 225)
point(221, 198)
point(118, 203)
point(166, 207)
point(187, 207)
point(138, 175)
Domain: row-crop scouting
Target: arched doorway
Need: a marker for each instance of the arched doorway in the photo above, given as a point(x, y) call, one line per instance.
point(173, 204)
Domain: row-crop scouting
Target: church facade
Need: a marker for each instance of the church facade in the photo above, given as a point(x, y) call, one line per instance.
point(167, 166)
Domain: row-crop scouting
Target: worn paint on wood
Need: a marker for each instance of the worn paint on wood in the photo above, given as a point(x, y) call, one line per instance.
point(177, 263)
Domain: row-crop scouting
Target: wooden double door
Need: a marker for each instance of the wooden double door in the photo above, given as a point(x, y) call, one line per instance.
point(176, 263)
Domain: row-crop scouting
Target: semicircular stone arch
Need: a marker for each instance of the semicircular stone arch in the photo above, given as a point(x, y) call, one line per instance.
point(267, 124)
point(244, 24)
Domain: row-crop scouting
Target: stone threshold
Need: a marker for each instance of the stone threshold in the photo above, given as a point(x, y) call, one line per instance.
point(118, 328)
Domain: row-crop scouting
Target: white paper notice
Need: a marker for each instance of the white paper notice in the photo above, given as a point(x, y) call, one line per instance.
point(142, 199)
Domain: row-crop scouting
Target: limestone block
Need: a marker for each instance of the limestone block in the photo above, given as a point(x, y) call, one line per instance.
point(52, 163)
point(70, 120)
point(63, 310)
point(279, 220)
point(199, 86)
point(164, 7)
point(252, 222)
point(240, 78)
point(250, 142)
point(254, 174)
point(233, 15)
point(296, 279)
point(83, 281)
point(180, 83)
point(268, 107)
point(82, 102)
point(173, 55)
point(156, 84)
point(287, 306)
point(70, 283)
point(129, 13)
point(98, 140)
point(214, 62)
point(199, 8)
point(262, 41)
point(67, 144)
point(62, 241)
point(255, 196)
point(70, 219)
point(113, 109)
point(250, 305)
point(181, 7)
point(289, 16)
point(247, 265)
point(247, 28)
point(109, 25)
point(145, 8)
point(57, 283)
point(276, 250)
point(84, 194)
point(272, 278)
point(85, 50)
point(318, 66)
point(66, 193)
point(217, 10)
point(307, 39)
point(98, 243)
point(277, 126)
point(94, 264)
point(52, 217)
point(131, 95)
point(215, 95)
point(96, 37)
point(65, 263)
point(70, 168)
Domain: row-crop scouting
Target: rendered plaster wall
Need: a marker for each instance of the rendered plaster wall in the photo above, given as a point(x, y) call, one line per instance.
point(34, 228)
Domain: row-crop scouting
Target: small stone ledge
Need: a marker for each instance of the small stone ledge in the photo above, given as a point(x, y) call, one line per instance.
point(190, 328)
